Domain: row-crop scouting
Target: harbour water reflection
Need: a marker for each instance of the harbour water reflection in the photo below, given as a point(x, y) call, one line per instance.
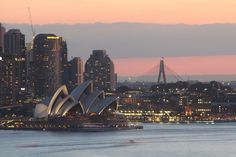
point(155, 140)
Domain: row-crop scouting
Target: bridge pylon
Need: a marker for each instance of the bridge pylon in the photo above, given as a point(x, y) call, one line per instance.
point(162, 74)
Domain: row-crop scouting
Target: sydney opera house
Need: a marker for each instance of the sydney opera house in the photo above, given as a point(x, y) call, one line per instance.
point(83, 100)
point(84, 109)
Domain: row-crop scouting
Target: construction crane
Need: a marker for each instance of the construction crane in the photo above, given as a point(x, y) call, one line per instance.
point(31, 23)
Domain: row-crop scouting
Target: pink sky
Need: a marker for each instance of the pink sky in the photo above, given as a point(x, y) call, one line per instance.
point(196, 65)
point(144, 11)
point(108, 11)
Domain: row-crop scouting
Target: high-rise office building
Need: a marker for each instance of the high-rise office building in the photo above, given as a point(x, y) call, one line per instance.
point(14, 42)
point(2, 32)
point(100, 68)
point(64, 61)
point(49, 58)
point(29, 59)
point(13, 69)
point(13, 79)
point(75, 73)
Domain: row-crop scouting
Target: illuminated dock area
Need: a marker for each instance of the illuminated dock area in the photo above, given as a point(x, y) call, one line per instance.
point(66, 124)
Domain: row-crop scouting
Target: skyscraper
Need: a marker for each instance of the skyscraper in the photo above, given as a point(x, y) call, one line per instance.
point(14, 42)
point(13, 79)
point(75, 73)
point(29, 59)
point(13, 69)
point(2, 32)
point(49, 53)
point(100, 68)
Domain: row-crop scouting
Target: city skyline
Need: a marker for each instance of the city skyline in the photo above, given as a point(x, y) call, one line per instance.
point(151, 42)
point(77, 75)
point(181, 31)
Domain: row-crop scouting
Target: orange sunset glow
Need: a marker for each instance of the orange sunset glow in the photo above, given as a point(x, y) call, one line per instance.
point(108, 11)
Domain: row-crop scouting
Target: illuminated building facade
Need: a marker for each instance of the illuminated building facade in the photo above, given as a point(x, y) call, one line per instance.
point(100, 68)
point(13, 80)
point(13, 69)
point(48, 64)
point(74, 73)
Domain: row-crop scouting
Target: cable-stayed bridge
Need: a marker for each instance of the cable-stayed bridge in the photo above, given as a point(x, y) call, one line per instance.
point(161, 73)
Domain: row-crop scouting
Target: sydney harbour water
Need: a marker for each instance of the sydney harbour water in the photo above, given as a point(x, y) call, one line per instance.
point(155, 140)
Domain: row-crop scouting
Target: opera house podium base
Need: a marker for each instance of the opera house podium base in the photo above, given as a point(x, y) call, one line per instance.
point(67, 124)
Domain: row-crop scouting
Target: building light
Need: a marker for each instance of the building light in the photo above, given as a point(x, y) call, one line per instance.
point(0, 58)
point(23, 89)
point(52, 37)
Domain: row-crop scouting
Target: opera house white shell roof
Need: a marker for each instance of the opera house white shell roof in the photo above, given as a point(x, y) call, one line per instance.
point(83, 97)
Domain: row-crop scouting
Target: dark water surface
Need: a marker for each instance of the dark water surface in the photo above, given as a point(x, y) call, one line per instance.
point(155, 140)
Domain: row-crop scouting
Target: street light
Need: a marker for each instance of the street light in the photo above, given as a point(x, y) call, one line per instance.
point(0, 58)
